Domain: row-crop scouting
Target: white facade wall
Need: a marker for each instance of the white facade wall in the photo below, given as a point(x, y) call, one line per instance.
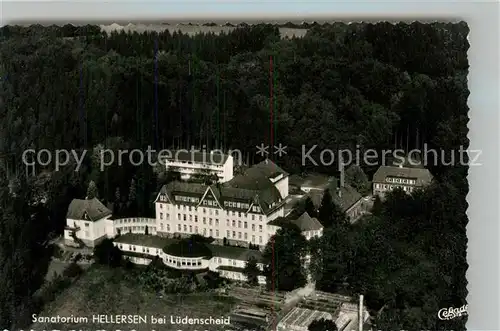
point(189, 168)
point(89, 231)
point(185, 263)
point(134, 225)
point(272, 229)
point(100, 227)
point(215, 222)
point(282, 185)
point(153, 251)
point(228, 167)
point(382, 188)
point(313, 233)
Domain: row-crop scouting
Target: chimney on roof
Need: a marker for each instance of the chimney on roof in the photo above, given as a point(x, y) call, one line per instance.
point(339, 192)
point(360, 313)
point(266, 161)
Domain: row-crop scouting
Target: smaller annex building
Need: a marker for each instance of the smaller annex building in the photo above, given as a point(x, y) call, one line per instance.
point(187, 254)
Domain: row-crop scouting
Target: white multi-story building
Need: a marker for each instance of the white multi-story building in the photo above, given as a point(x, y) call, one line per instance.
point(408, 179)
point(237, 211)
point(189, 163)
point(87, 223)
point(242, 211)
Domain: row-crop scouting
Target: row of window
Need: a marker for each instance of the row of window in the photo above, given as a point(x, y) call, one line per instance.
point(205, 165)
point(311, 234)
point(232, 275)
point(229, 234)
point(240, 215)
point(186, 199)
point(137, 220)
point(218, 260)
point(241, 205)
point(390, 187)
point(212, 203)
point(229, 223)
point(401, 180)
point(136, 228)
point(145, 250)
point(182, 262)
point(245, 225)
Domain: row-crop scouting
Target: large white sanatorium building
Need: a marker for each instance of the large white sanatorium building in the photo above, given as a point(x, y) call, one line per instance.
point(247, 209)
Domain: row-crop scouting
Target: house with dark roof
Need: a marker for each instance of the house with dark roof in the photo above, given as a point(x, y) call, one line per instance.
point(406, 178)
point(309, 226)
point(263, 175)
point(350, 201)
point(189, 163)
point(87, 223)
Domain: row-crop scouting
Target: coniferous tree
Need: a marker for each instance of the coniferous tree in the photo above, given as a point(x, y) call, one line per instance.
point(377, 206)
point(132, 195)
point(251, 271)
point(326, 209)
point(92, 190)
point(309, 207)
point(286, 272)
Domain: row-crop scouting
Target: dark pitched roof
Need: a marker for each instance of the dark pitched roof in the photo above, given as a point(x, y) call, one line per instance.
point(304, 222)
point(266, 168)
point(214, 157)
point(348, 195)
point(258, 177)
point(307, 223)
point(92, 207)
point(254, 186)
point(421, 175)
point(193, 189)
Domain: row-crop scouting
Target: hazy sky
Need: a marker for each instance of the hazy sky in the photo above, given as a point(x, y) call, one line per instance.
point(133, 10)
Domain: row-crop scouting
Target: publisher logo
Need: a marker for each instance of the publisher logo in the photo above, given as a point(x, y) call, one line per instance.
point(451, 313)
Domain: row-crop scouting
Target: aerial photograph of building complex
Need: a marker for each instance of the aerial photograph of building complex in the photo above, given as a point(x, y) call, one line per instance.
point(218, 176)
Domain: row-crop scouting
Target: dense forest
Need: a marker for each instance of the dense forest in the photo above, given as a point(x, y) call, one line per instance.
point(366, 86)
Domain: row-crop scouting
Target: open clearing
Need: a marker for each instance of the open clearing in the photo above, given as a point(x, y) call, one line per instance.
point(103, 291)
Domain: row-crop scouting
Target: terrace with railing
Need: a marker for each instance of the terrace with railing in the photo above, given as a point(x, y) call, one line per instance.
point(135, 225)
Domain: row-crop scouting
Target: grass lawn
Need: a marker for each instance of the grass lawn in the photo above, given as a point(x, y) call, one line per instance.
point(103, 291)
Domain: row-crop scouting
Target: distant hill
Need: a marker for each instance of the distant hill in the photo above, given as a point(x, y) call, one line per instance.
point(193, 29)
